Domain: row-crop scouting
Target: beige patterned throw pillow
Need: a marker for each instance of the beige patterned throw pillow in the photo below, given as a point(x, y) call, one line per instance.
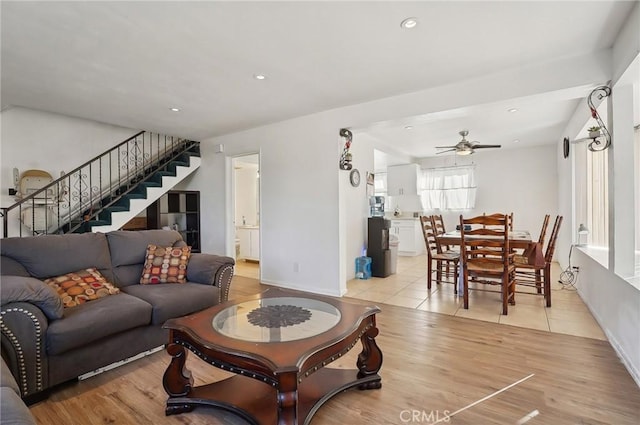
point(79, 287)
point(165, 264)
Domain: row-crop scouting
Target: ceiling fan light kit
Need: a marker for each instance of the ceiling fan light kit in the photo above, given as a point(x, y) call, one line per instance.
point(464, 147)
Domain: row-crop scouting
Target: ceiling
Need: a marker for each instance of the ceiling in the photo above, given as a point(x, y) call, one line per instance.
point(129, 63)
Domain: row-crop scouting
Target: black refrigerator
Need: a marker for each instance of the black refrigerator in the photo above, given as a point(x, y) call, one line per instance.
point(378, 246)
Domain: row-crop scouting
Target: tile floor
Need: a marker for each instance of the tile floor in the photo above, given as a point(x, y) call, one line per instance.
point(408, 288)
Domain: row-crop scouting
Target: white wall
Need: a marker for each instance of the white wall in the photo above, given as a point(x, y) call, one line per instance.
point(50, 142)
point(615, 304)
point(523, 181)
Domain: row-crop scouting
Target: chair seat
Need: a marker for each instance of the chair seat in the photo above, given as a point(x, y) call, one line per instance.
point(487, 267)
point(448, 255)
point(519, 259)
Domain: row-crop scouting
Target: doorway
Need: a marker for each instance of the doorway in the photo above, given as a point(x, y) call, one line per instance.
point(246, 215)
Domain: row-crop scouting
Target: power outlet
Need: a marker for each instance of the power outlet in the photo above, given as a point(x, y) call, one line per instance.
point(296, 267)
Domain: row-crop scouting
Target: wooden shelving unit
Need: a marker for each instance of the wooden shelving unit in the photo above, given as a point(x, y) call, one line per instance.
point(179, 210)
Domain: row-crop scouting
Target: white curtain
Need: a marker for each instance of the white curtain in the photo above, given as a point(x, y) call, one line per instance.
point(449, 188)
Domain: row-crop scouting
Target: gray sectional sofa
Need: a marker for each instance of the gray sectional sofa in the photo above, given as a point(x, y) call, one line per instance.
point(45, 344)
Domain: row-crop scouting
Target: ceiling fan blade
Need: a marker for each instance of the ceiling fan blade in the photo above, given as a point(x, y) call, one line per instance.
point(445, 147)
point(449, 150)
point(486, 146)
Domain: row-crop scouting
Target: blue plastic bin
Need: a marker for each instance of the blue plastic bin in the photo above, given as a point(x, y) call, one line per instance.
point(363, 267)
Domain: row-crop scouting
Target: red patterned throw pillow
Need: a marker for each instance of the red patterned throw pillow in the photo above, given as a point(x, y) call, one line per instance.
point(165, 265)
point(79, 287)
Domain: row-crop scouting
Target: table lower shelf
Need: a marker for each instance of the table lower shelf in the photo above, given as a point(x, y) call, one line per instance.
point(257, 402)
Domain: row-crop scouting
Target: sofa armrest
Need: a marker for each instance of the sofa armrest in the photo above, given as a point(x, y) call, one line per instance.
point(23, 341)
point(211, 269)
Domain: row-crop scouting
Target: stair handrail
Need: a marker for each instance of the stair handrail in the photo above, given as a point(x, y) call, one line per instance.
point(4, 211)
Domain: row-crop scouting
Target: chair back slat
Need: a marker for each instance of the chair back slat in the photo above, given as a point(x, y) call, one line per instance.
point(548, 256)
point(486, 245)
point(426, 224)
point(543, 231)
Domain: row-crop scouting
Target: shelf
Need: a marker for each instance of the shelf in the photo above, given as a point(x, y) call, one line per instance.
point(181, 208)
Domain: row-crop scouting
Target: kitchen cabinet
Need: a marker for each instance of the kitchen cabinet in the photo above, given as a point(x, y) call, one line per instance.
point(178, 210)
point(249, 237)
point(410, 237)
point(403, 179)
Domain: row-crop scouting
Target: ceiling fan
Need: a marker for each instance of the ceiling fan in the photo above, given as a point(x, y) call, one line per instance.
point(465, 147)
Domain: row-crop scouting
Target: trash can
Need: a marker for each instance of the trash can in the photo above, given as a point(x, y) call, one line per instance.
point(393, 247)
point(363, 267)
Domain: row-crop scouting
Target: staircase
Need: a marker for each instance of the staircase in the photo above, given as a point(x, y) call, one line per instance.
point(106, 192)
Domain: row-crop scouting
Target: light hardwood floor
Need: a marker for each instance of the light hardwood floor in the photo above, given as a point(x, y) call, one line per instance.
point(434, 365)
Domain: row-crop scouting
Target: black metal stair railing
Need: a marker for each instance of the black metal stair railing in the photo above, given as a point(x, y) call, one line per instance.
point(88, 194)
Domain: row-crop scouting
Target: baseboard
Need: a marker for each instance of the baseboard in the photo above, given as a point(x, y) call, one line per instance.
point(628, 364)
point(635, 374)
point(120, 363)
point(297, 288)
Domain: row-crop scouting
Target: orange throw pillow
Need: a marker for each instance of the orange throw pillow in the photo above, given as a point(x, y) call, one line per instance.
point(165, 264)
point(79, 287)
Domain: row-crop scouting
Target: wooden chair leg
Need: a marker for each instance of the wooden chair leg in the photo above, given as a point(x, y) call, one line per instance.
point(505, 295)
point(429, 272)
point(438, 272)
point(465, 288)
point(455, 278)
point(547, 284)
point(538, 281)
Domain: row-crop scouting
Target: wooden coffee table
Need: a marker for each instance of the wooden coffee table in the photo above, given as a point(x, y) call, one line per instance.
point(278, 343)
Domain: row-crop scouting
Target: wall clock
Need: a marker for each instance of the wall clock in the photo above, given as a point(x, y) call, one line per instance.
point(354, 177)
point(565, 147)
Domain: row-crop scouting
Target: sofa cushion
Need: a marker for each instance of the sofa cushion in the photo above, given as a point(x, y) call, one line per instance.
point(79, 287)
point(165, 264)
point(31, 290)
point(128, 250)
point(13, 410)
point(7, 379)
point(9, 266)
point(52, 255)
point(169, 300)
point(96, 320)
point(130, 247)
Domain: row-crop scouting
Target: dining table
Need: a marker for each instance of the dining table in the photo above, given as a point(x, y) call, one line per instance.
point(518, 239)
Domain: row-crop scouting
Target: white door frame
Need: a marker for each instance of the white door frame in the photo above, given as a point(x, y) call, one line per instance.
point(231, 201)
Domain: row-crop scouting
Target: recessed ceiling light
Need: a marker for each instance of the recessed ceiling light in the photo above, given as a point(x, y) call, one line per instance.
point(175, 109)
point(408, 127)
point(512, 110)
point(409, 23)
point(259, 76)
point(516, 141)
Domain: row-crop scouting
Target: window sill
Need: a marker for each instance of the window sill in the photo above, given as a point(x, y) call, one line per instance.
point(601, 256)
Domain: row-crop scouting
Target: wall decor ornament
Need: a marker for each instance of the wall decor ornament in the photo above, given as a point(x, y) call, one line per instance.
point(346, 158)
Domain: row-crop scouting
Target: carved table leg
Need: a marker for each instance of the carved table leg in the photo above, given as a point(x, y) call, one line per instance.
point(177, 380)
point(287, 399)
point(370, 359)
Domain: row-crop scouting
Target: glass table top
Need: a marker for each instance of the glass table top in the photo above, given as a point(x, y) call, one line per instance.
point(276, 319)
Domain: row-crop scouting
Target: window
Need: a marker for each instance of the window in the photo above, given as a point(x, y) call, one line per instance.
point(449, 188)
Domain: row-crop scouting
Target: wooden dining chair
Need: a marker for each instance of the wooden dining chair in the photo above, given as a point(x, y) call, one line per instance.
point(486, 257)
point(539, 275)
point(445, 260)
point(509, 217)
point(526, 256)
point(438, 224)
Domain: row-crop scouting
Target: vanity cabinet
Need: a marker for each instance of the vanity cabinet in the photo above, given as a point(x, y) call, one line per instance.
point(403, 179)
point(178, 210)
point(410, 237)
point(249, 239)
